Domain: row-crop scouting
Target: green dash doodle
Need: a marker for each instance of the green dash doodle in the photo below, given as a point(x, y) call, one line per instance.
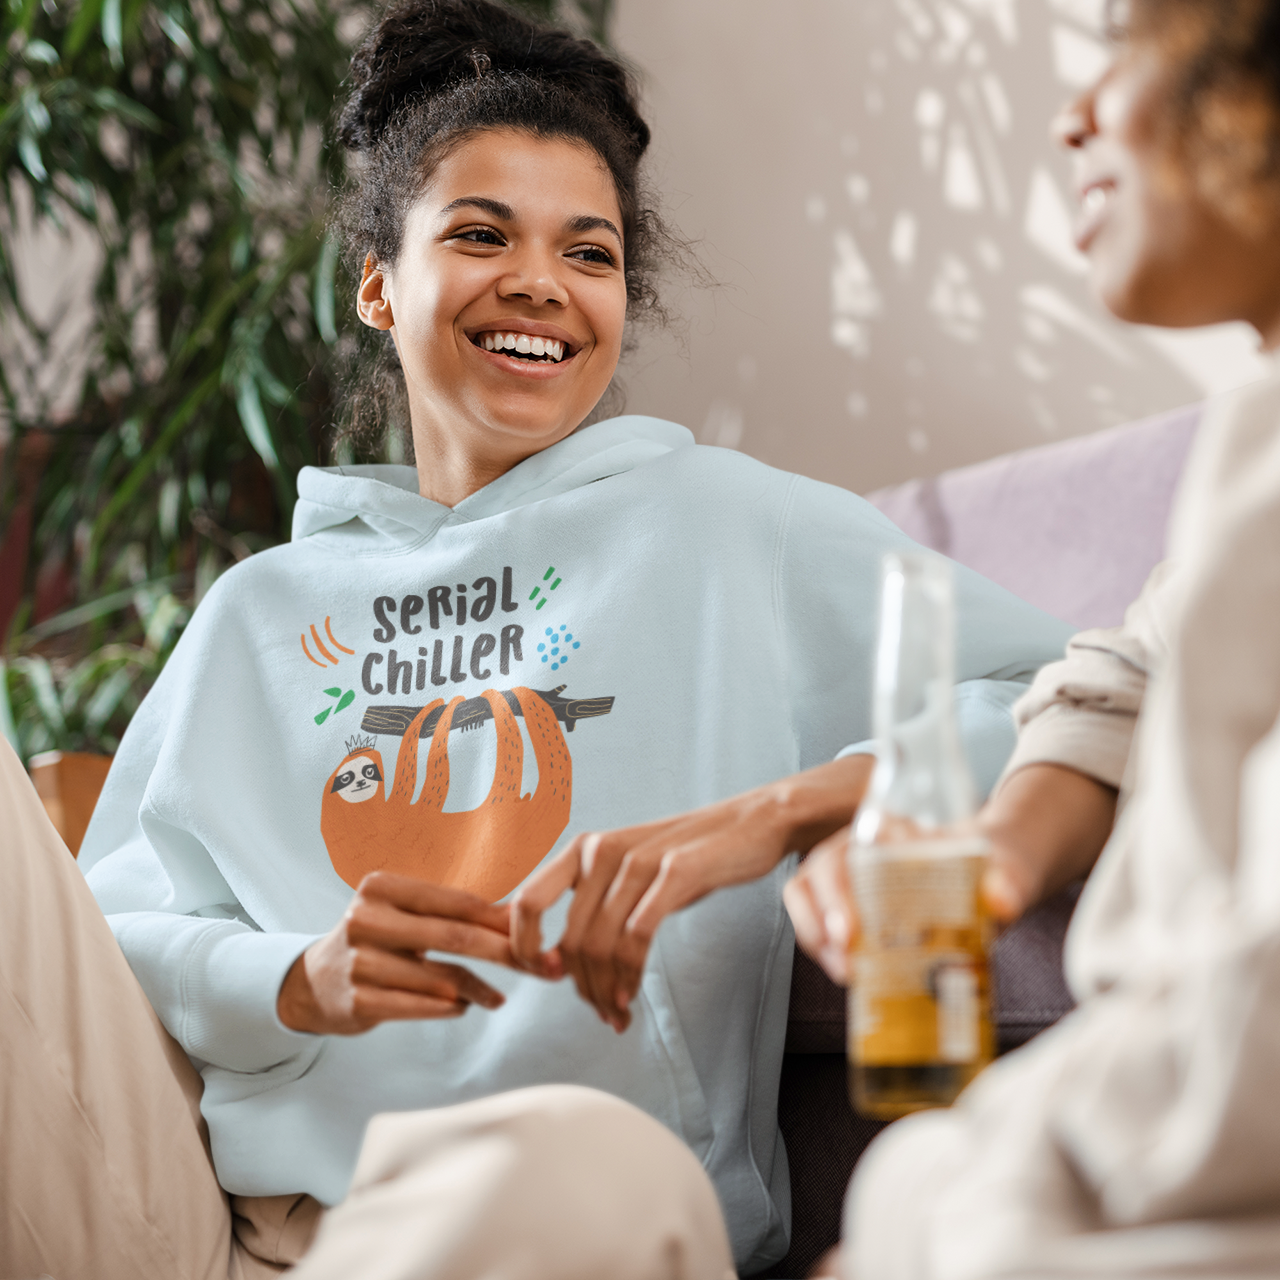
point(344, 701)
point(537, 591)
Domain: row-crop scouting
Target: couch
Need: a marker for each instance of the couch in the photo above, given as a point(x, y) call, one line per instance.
point(1074, 527)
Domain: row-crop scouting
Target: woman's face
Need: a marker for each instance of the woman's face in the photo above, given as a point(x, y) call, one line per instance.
point(506, 303)
point(1160, 252)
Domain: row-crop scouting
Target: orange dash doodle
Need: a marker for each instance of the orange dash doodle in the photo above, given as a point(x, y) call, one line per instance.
point(328, 630)
point(324, 653)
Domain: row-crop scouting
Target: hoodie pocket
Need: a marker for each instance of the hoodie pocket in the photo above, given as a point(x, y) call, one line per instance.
point(693, 1114)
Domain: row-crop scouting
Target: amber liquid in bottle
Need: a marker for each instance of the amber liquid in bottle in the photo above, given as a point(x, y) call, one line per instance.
point(920, 1022)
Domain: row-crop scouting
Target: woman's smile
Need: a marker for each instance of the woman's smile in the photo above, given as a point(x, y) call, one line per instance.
point(1096, 198)
point(526, 348)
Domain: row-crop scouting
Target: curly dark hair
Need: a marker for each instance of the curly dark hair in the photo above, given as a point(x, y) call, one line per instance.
point(429, 76)
point(1225, 100)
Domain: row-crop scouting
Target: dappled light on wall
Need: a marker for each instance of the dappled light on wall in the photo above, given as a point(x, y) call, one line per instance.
point(950, 217)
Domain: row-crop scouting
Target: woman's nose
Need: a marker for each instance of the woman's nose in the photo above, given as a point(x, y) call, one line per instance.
point(535, 281)
point(1073, 126)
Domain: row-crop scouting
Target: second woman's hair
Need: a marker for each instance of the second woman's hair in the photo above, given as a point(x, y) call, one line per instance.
point(1224, 104)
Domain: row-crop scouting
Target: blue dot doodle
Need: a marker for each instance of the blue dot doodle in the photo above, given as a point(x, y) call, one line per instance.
point(541, 648)
point(577, 644)
point(550, 632)
point(545, 658)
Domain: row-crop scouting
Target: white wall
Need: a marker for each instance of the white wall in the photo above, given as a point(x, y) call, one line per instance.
point(872, 183)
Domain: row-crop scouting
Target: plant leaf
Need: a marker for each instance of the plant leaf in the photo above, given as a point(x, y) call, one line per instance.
point(324, 304)
point(113, 31)
point(323, 716)
point(347, 699)
point(254, 421)
point(29, 150)
point(81, 25)
point(40, 51)
point(106, 698)
point(333, 693)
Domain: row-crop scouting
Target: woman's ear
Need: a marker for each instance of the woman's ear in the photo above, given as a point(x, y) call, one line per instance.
point(372, 301)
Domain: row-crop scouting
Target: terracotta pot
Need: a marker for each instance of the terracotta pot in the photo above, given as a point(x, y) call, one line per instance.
point(69, 782)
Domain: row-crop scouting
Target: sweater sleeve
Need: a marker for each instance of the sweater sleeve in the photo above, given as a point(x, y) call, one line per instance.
point(832, 545)
point(1082, 711)
point(212, 975)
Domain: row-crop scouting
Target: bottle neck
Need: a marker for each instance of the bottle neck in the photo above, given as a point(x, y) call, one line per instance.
point(921, 783)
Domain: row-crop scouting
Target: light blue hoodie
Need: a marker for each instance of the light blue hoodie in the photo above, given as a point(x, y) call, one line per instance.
point(658, 626)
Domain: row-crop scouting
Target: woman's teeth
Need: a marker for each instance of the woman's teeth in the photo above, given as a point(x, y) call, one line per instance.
point(548, 350)
point(1095, 200)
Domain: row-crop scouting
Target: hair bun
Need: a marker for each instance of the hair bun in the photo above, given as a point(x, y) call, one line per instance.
point(422, 48)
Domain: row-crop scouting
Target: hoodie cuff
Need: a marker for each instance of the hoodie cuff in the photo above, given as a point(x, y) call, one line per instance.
point(215, 985)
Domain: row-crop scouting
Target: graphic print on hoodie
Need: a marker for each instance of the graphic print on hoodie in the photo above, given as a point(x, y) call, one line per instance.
point(373, 821)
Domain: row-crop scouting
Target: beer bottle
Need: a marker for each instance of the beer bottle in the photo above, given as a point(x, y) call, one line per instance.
point(919, 1002)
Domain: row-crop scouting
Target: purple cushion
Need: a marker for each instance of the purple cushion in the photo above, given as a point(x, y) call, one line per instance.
point(1073, 527)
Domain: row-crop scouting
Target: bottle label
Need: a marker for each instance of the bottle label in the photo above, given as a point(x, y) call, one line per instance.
point(920, 991)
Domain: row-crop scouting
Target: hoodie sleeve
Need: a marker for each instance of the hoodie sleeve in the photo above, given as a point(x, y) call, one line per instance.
point(826, 595)
point(212, 975)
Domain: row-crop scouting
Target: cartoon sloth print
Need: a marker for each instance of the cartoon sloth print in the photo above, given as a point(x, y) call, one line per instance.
point(487, 850)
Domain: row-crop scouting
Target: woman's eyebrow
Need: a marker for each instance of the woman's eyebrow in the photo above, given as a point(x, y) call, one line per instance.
point(585, 222)
point(495, 208)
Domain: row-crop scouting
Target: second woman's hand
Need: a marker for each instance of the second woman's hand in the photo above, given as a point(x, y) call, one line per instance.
point(372, 966)
point(626, 882)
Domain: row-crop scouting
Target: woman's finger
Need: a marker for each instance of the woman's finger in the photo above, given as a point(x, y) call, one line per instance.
point(379, 923)
point(374, 1005)
point(421, 897)
point(449, 982)
point(811, 935)
point(679, 879)
point(602, 853)
point(828, 875)
point(822, 907)
point(608, 953)
point(534, 897)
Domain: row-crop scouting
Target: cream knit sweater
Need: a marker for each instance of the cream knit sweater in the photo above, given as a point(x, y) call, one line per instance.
point(1141, 1136)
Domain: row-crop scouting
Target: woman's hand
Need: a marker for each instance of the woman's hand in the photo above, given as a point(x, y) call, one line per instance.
point(371, 967)
point(819, 898)
point(1047, 825)
point(626, 882)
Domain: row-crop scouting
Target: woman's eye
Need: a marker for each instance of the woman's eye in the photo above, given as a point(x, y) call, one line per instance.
point(596, 256)
point(480, 235)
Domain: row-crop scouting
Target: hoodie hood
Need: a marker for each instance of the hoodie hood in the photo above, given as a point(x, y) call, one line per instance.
point(386, 498)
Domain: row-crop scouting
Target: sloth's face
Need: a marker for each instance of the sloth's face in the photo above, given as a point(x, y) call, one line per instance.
point(358, 780)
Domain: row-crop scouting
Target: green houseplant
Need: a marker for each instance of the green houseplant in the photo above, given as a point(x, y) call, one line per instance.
point(185, 145)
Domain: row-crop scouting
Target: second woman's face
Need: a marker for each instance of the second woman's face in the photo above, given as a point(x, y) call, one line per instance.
point(1160, 251)
point(507, 301)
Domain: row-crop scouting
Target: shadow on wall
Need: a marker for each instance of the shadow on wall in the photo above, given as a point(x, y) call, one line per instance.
point(939, 311)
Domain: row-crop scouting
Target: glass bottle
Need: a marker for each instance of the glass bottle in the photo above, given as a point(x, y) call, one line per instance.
point(919, 1004)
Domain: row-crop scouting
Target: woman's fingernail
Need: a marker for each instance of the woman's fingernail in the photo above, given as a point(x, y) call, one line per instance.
point(837, 926)
point(1000, 891)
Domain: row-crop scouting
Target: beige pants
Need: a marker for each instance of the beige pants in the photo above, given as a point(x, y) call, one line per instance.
point(104, 1163)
